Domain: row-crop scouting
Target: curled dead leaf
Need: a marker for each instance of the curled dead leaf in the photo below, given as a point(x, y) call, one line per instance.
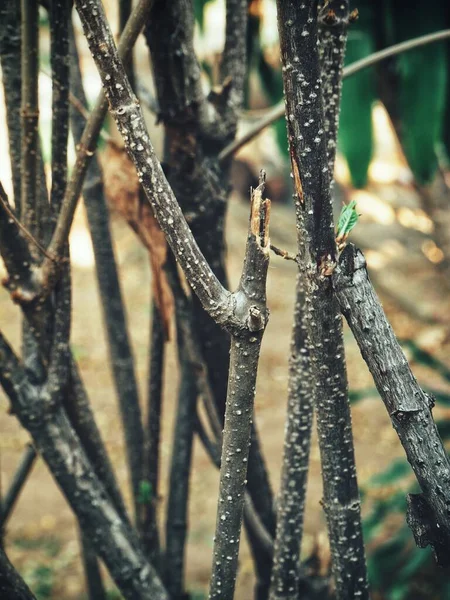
point(125, 196)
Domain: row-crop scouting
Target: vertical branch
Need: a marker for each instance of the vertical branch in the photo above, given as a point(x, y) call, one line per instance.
point(30, 115)
point(155, 396)
point(19, 479)
point(200, 185)
point(180, 471)
point(334, 19)
point(94, 583)
point(234, 58)
point(298, 28)
point(125, 7)
point(119, 346)
point(286, 569)
point(10, 44)
point(86, 148)
point(245, 348)
point(59, 57)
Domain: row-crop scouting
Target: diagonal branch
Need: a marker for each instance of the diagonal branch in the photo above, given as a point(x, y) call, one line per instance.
point(119, 346)
point(277, 111)
point(86, 148)
point(409, 407)
point(125, 109)
point(11, 583)
point(39, 412)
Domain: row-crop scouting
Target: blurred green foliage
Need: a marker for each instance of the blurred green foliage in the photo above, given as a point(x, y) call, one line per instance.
point(398, 569)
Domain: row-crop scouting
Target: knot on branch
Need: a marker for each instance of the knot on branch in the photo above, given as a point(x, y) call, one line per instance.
point(427, 532)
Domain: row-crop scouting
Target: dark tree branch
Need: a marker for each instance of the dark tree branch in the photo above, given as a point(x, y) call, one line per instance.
point(277, 111)
point(39, 412)
point(334, 20)
point(125, 7)
point(286, 569)
point(298, 28)
point(180, 471)
point(409, 407)
point(17, 483)
point(245, 348)
point(59, 58)
point(22, 277)
point(10, 44)
point(234, 58)
point(86, 148)
point(12, 585)
point(155, 396)
point(128, 116)
point(260, 539)
point(30, 209)
point(201, 187)
point(94, 583)
point(119, 346)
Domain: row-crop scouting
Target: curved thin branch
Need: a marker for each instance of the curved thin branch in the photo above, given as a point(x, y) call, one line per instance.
point(275, 113)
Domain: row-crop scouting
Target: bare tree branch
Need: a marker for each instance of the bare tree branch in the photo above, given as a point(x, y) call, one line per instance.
point(245, 348)
point(39, 412)
point(286, 569)
point(119, 346)
point(16, 486)
point(298, 28)
point(234, 58)
point(86, 149)
point(409, 407)
point(275, 113)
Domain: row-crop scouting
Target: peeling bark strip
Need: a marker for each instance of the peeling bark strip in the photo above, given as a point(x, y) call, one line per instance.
point(302, 77)
point(245, 347)
point(407, 404)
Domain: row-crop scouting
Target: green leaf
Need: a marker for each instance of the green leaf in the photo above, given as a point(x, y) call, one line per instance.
point(347, 219)
point(199, 10)
point(145, 492)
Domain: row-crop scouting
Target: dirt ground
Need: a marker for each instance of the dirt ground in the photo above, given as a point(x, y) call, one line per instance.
point(41, 536)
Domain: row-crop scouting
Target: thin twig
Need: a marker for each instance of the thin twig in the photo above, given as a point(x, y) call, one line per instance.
point(278, 110)
point(286, 568)
point(154, 398)
point(17, 483)
point(30, 209)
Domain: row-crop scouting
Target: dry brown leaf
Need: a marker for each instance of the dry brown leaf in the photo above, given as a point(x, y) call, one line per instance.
point(124, 195)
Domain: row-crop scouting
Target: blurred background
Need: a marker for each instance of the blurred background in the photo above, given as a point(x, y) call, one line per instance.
point(394, 144)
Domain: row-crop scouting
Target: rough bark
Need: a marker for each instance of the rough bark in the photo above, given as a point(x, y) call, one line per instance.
point(114, 317)
point(286, 569)
point(409, 407)
point(245, 348)
point(298, 28)
point(39, 411)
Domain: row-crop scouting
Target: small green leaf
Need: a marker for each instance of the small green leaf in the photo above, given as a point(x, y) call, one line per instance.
point(145, 492)
point(347, 220)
